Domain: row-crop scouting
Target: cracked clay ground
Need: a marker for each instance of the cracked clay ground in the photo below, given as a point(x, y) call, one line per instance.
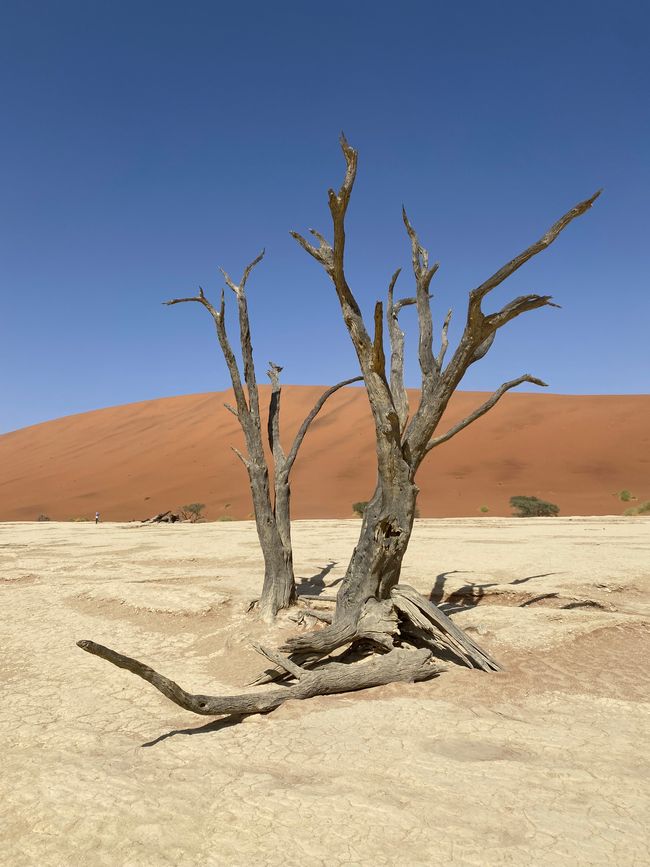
point(544, 764)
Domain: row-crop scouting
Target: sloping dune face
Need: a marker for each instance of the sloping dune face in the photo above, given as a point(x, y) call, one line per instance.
point(130, 462)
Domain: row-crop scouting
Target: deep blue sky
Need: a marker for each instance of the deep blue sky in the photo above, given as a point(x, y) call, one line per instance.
point(145, 143)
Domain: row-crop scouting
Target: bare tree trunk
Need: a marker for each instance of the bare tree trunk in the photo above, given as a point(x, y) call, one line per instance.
point(278, 589)
point(272, 511)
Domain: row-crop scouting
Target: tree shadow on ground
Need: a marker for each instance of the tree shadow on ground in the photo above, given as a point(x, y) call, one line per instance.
point(471, 594)
point(208, 728)
point(316, 583)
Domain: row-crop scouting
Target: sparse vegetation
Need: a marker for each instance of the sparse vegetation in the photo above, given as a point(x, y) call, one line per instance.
point(43, 517)
point(80, 520)
point(531, 507)
point(625, 496)
point(484, 509)
point(360, 507)
point(192, 512)
point(225, 518)
point(641, 509)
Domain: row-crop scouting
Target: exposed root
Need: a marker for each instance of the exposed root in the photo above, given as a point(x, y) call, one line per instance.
point(427, 624)
point(398, 665)
point(420, 622)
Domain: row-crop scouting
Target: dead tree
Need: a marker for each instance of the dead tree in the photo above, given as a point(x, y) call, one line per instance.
point(270, 488)
point(372, 609)
point(403, 441)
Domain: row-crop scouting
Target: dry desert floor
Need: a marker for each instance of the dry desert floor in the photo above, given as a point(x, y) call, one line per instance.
point(546, 763)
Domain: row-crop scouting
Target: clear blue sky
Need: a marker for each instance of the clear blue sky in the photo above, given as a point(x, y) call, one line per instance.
point(145, 143)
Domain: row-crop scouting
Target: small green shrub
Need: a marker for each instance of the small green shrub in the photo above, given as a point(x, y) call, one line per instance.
point(625, 496)
point(531, 507)
point(360, 507)
point(43, 517)
point(484, 509)
point(225, 518)
point(192, 512)
point(641, 509)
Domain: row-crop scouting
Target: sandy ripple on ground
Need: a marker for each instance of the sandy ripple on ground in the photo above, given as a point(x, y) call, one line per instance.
point(546, 763)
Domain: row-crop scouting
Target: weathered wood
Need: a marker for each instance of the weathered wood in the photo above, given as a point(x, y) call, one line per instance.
point(163, 518)
point(398, 665)
point(431, 619)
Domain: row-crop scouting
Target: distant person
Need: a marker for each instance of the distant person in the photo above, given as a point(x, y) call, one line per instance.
point(97, 517)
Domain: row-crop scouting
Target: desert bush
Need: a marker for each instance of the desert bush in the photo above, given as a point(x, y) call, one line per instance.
point(625, 496)
point(641, 509)
point(43, 517)
point(484, 509)
point(80, 520)
point(192, 512)
point(225, 518)
point(531, 507)
point(360, 507)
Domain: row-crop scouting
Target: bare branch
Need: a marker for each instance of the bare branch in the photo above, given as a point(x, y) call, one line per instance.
point(378, 356)
point(477, 295)
point(273, 426)
point(219, 317)
point(245, 335)
point(247, 270)
point(232, 410)
point(293, 451)
point(398, 391)
point(323, 254)
point(514, 308)
point(278, 659)
point(423, 275)
point(199, 299)
point(244, 460)
point(444, 340)
point(485, 407)
point(404, 302)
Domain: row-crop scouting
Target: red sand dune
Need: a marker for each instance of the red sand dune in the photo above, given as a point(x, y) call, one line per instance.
point(133, 461)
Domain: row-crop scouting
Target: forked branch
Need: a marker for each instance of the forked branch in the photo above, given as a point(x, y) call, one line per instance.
point(219, 318)
point(245, 333)
point(477, 295)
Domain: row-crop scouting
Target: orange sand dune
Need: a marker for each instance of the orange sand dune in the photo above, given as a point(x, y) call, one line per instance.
point(132, 461)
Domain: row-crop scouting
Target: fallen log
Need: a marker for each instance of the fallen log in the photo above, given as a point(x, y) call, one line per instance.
point(400, 664)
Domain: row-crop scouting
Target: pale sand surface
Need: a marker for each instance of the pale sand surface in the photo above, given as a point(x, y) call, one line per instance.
point(546, 763)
